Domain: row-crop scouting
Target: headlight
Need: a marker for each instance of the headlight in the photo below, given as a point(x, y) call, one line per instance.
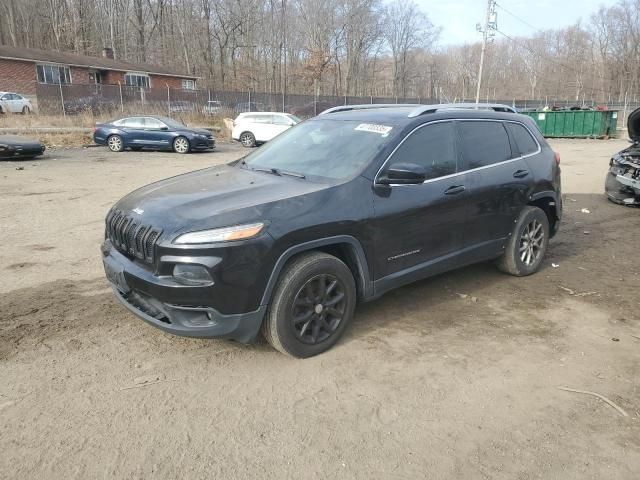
point(227, 234)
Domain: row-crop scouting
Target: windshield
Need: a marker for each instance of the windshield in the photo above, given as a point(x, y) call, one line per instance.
point(323, 148)
point(169, 122)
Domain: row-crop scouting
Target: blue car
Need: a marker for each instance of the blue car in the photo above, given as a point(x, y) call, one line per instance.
point(157, 133)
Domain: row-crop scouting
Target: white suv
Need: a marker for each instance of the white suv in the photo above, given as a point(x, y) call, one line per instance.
point(252, 128)
point(13, 103)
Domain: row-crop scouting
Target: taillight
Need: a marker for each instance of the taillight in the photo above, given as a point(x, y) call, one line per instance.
point(557, 155)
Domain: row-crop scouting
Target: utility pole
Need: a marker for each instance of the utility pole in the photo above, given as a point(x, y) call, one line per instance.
point(488, 31)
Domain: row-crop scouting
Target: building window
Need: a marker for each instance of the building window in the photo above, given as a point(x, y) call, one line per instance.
point(137, 80)
point(53, 74)
point(188, 84)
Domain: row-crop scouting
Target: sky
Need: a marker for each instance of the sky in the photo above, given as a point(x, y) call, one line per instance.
point(458, 18)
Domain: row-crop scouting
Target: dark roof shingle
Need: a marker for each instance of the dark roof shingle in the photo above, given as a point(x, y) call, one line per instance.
point(32, 54)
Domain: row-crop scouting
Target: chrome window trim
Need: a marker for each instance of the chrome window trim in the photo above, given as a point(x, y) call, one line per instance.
point(431, 180)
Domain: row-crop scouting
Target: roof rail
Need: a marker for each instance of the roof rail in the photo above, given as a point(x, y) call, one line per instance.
point(367, 106)
point(496, 107)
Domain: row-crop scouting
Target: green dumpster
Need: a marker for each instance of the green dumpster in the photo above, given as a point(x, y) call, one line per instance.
point(576, 123)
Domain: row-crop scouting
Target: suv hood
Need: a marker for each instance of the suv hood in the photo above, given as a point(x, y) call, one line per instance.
point(214, 197)
point(633, 126)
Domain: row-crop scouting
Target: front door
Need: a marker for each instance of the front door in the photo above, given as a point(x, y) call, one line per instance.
point(420, 226)
point(154, 134)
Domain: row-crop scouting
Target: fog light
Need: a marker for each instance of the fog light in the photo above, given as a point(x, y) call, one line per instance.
point(189, 274)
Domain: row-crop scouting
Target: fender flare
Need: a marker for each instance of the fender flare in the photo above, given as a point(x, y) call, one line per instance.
point(360, 257)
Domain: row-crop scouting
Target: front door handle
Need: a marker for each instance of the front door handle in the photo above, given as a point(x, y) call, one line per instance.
point(454, 190)
point(521, 173)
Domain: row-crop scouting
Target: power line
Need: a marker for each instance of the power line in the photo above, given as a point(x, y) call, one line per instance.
point(517, 18)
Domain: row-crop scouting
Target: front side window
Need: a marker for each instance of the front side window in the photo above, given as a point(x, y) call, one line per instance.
point(432, 147)
point(53, 74)
point(140, 80)
point(524, 141)
point(134, 122)
point(324, 148)
point(150, 122)
point(483, 143)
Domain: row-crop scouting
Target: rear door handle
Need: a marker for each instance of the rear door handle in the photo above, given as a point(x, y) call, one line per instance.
point(454, 190)
point(521, 173)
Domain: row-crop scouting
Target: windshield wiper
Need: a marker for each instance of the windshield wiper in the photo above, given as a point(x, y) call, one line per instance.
point(274, 171)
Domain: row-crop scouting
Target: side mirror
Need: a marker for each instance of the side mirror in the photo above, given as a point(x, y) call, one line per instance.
point(403, 174)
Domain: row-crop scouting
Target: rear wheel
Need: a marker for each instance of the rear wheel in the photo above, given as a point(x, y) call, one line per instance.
point(247, 139)
point(528, 243)
point(312, 305)
point(181, 145)
point(115, 143)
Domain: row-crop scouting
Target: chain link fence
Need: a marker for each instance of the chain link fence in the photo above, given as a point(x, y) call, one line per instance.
point(104, 100)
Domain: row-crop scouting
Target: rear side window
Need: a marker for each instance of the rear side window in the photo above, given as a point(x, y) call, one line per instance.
point(258, 118)
point(525, 143)
point(483, 143)
point(433, 147)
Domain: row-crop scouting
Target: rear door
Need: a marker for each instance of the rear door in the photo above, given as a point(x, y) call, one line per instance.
point(262, 127)
point(499, 179)
point(419, 225)
point(133, 127)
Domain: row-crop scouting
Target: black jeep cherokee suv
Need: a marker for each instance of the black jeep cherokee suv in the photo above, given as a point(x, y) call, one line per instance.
point(339, 209)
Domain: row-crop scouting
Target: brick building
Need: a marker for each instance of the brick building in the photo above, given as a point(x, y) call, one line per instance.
point(24, 70)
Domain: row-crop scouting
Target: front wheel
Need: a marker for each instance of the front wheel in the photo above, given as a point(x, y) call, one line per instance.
point(528, 243)
point(181, 145)
point(115, 143)
point(312, 305)
point(26, 110)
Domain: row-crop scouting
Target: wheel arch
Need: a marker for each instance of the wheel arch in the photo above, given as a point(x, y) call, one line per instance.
point(548, 202)
point(344, 247)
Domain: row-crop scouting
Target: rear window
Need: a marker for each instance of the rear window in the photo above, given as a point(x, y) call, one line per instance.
point(524, 141)
point(483, 143)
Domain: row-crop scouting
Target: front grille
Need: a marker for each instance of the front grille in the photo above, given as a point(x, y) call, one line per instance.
point(131, 237)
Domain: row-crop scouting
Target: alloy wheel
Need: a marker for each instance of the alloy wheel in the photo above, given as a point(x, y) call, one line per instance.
point(181, 145)
point(115, 143)
point(318, 308)
point(246, 139)
point(531, 243)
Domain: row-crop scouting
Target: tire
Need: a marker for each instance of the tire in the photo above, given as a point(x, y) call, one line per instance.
point(523, 256)
point(181, 145)
point(247, 139)
point(322, 317)
point(26, 110)
point(115, 143)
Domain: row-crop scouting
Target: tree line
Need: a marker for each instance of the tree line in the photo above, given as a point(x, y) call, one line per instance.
point(338, 47)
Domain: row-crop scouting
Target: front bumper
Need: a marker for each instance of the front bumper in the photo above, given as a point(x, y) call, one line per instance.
point(622, 190)
point(203, 144)
point(8, 152)
point(133, 286)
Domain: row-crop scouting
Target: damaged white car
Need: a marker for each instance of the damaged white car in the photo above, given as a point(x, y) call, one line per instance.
point(623, 180)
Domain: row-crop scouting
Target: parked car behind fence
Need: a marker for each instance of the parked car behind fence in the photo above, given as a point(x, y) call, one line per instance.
point(14, 103)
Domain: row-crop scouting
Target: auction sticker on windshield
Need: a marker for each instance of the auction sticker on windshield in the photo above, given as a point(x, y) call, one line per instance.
point(373, 128)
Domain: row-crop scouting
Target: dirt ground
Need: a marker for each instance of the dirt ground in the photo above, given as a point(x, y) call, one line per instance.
point(452, 377)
